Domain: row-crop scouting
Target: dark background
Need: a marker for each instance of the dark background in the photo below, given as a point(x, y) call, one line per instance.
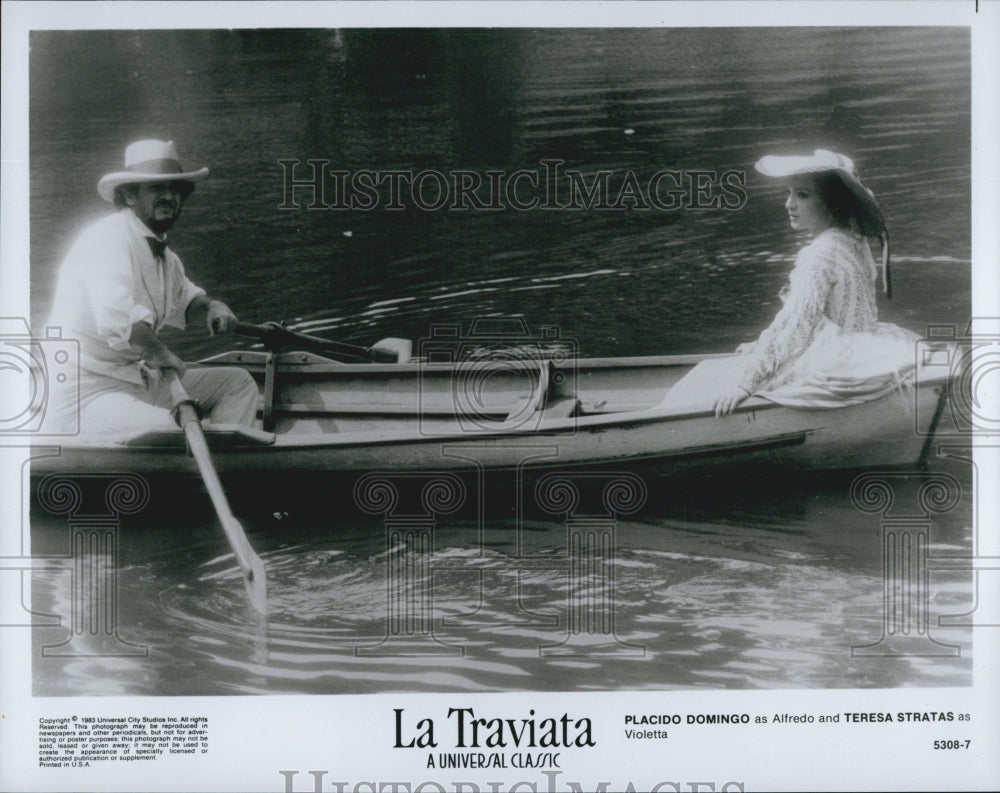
point(896, 100)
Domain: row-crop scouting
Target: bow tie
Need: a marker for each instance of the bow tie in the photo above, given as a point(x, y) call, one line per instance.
point(157, 247)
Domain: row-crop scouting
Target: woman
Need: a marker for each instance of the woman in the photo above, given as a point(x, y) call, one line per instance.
point(825, 347)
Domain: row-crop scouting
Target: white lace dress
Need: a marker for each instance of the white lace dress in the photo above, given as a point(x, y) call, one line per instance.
point(826, 347)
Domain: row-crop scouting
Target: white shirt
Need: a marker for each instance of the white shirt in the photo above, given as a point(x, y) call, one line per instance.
point(110, 280)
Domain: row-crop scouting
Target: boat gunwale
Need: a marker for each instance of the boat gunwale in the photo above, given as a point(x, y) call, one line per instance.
point(536, 426)
point(551, 428)
point(310, 365)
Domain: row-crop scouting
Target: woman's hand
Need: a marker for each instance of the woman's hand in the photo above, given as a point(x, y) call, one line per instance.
point(727, 402)
point(746, 348)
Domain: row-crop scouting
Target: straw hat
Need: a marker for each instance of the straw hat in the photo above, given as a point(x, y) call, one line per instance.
point(148, 161)
point(867, 212)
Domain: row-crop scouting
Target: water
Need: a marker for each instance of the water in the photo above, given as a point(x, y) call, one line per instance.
point(727, 587)
point(738, 586)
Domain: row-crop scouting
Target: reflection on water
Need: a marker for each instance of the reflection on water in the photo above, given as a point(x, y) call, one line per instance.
point(733, 588)
point(713, 588)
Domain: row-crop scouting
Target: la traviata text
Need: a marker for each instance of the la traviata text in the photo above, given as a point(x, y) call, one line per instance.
point(472, 732)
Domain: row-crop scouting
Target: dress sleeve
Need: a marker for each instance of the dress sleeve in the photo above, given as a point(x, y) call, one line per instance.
point(108, 285)
point(183, 292)
point(792, 329)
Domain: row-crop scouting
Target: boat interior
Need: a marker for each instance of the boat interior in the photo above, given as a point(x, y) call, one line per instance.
point(305, 393)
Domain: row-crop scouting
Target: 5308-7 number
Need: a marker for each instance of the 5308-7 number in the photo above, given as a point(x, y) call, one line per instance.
point(952, 744)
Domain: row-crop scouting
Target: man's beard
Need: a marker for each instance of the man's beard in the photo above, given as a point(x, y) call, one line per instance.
point(163, 225)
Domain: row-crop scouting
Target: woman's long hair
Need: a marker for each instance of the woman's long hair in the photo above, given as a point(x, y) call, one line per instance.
point(837, 197)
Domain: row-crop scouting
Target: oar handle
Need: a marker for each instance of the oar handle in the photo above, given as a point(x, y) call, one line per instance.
point(260, 331)
point(276, 336)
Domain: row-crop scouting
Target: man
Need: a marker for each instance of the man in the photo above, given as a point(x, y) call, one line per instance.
point(120, 285)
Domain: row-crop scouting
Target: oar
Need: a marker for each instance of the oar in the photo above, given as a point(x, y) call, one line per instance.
point(276, 336)
point(254, 577)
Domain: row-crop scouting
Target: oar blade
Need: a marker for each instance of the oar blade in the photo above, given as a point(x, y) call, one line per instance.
point(256, 586)
point(251, 565)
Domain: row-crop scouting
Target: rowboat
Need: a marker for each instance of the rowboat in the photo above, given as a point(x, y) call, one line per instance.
point(320, 416)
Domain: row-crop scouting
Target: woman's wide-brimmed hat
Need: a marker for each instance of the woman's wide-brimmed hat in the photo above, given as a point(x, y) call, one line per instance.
point(867, 212)
point(148, 161)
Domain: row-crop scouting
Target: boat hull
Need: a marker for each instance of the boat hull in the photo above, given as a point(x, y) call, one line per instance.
point(604, 413)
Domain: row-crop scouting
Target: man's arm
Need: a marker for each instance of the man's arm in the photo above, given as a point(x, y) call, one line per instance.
point(214, 314)
point(154, 351)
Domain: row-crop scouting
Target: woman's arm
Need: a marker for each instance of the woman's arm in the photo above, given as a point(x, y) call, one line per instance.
point(791, 331)
point(789, 334)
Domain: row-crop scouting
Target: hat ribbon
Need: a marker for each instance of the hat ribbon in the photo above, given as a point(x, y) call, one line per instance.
point(886, 278)
point(163, 166)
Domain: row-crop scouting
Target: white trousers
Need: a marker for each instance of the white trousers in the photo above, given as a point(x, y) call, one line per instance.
point(227, 395)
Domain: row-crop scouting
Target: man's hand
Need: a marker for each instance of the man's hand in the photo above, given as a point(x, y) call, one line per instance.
point(153, 350)
point(220, 318)
point(164, 359)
